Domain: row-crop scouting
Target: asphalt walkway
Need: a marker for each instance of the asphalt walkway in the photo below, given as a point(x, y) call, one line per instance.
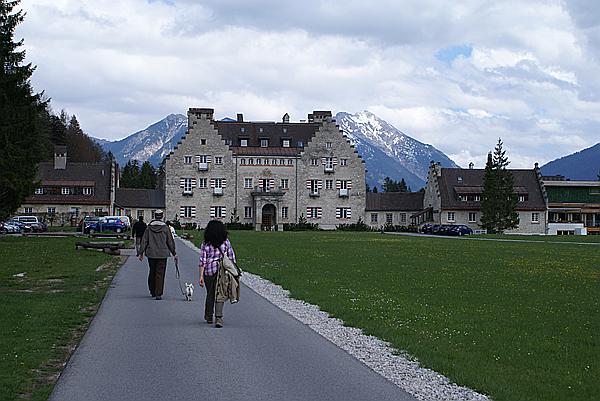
point(138, 348)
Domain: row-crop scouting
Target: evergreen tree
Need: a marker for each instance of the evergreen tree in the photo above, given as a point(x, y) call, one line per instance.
point(23, 126)
point(499, 201)
point(375, 189)
point(390, 185)
point(367, 187)
point(402, 187)
point(80, 147)
point(147, 176)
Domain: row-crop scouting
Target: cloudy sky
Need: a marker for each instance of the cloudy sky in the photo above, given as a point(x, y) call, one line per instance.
point(455, 74)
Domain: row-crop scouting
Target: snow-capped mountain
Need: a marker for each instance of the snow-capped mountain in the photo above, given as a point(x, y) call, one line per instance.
point(387, 151)
point(152, 143)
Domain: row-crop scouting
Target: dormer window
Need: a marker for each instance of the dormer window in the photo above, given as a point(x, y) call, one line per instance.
point(285, 130)
point(260, 130)
point(327, 145)
point(523, 198)
point(285, 143)
point(242, 130)
point(243, 142)
point(264, 142)
point(87, 191)
point(39, 191)
point(300, 144)
point(65, 191)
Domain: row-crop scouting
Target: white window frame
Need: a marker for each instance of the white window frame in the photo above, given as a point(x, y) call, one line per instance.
point(187, 185)
point(65, 191)
point(472, 217)
point(202, 183)
point(51, 210)
point(535, 217)
point(402, 217)
point(290, 162)
point(328, 184)
point(451, 216)
point(87, 190)
point(39, 191)
point(247, 212)
point(284, 212)
point(188, 159)
point(248, 183)
point(264, 142)
point(244, 143)
point(243, 162)
point(374, 217)
point(344, 213)
point(218, 159)
point(328, 163)
point(389, 218)
point(286, 143)
point(187, 212)
point(343, 162)
point(314, 161)
point(218, 212)
point(218, 183)
point(285, 183)
point(327, 145)
point(28, 210)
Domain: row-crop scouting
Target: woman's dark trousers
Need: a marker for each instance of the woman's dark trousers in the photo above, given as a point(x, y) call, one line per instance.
point(211, 286)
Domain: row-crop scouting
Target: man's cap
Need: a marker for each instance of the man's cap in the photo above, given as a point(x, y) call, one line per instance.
point(158, 212)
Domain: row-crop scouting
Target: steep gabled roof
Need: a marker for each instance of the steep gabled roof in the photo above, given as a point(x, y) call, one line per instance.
point(457, 181)
point(140, 198)
point(395, 201)
point(97, 175)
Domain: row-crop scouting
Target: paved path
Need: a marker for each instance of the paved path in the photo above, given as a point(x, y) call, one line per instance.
point(141, 349)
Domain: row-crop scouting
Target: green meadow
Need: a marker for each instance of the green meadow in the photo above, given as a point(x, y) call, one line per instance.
point(45, 312)
point(515, 320)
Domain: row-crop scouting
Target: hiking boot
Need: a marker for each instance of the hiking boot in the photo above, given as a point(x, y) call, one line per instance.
point(219, 323)
point(209, 320)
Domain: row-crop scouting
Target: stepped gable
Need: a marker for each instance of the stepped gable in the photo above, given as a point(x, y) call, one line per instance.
point(299, 134)
point(455, 181)
point(394, 201)
point(95, 175)
point(140, 198)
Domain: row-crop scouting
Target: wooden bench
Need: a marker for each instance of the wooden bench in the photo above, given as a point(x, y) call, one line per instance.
point(111, 235)
point(112, 248)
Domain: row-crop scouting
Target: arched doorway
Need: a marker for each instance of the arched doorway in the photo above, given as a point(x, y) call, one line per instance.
point(269, 217)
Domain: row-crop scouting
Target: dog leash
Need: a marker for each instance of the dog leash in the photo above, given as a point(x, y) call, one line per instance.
point(178, 277)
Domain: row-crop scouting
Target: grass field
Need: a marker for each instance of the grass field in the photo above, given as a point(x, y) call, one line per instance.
point(517, 321)
point(45, 312)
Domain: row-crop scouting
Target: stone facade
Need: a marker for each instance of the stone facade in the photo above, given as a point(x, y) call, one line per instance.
point(265, 174)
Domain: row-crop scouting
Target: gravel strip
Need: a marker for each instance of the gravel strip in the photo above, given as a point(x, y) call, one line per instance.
point(403, 371)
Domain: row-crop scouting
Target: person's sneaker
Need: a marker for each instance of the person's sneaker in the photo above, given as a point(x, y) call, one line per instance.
point(209, 320)
point(158, 298)
point(219, 322)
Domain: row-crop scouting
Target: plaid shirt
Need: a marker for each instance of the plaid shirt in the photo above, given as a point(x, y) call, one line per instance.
point(210, 256)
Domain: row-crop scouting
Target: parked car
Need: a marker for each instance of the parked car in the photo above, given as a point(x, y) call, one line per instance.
point(426, 228)
point(31, 223)
point(460, 229)
point(8, 228)
point(117, 224)
point(85, 223)
point(436, 228)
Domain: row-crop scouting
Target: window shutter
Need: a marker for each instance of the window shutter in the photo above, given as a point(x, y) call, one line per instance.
point(193, 182)
point(223, 211)
point(272, 183)
point(335, 161)
point(181, 211)
point(319, 212)
point(223, 183)
point(349, 213)
point(197, 158)
point(213, 211)
point(338, 213)
point(308, 213)
point(208, 159)
point(338, 184)
point(320, 184)
point(307, 184)
point(212, 185)
point(349, 184)
point(181, 182)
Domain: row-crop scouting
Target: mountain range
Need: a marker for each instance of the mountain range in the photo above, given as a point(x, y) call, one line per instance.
point(582, 165)
point(387, 151)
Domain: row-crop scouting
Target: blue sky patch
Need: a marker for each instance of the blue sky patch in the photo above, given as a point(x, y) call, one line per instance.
point(449, 54)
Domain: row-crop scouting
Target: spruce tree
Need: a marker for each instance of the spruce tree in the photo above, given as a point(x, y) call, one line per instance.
point(23, 126)
point(499, 201)
point(147, 176)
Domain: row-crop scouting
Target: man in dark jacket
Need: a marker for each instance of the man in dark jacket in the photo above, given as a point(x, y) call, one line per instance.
point(138, 230)
point(157, 244)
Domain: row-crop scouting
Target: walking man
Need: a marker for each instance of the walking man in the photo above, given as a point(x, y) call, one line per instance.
point(138, 232)
point(157, 244)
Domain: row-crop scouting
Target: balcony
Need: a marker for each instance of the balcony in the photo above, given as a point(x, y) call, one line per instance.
point(329, 169)
point(202, 166)
point(343, 192)
point(314, 193)
point(218, 191)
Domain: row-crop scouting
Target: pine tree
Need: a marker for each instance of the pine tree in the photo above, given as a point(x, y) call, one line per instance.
point(499, 202)
point(375, 190)
point(80, 147)
point(23, 126)
point(147, 176)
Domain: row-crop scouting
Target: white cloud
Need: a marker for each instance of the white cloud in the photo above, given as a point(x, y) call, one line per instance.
point(531, 77)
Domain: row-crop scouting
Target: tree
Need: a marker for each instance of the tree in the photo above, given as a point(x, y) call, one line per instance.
point(147, 176)
point(132, 176)
point(499, 201)
point(23, 123)
point(80, 147)
point(375, 189)
point(390, 185)
point(367, 187)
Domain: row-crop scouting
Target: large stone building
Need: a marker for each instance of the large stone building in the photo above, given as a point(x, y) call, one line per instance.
point(453, 196)
point(264, 173)
point(68, 191)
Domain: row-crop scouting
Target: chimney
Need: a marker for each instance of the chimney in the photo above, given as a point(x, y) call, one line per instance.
point(60, 157)
point(471, 166)
point(489, 159)
point(240, 118)
point(286, 118)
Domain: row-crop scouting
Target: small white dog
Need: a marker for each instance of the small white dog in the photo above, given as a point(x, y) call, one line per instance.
point(189, 291)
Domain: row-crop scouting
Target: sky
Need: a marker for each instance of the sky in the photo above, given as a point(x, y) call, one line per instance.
point(454, 74)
